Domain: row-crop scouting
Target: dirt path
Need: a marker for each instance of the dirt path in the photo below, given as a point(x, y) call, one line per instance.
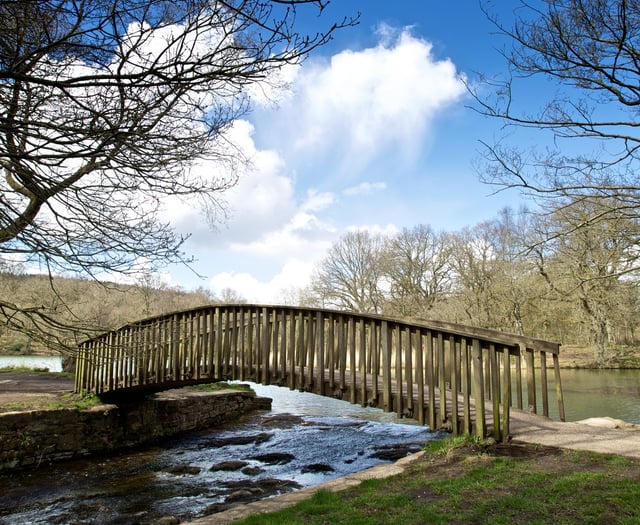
point(32, 390)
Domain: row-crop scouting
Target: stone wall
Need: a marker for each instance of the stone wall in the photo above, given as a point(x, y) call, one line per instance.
point(30, 439)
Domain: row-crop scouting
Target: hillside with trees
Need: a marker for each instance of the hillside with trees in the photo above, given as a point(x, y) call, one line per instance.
point(94, 307)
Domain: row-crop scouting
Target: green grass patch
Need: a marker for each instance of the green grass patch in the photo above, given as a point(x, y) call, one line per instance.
point(464, 480)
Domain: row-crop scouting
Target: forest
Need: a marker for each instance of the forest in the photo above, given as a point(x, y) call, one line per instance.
point(554, 274)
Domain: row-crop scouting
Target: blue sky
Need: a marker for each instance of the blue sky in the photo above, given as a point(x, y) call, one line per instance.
point(373, 133)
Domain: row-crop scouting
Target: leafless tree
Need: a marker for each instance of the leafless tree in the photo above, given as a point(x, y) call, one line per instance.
point(591, 266)
point(417, 270)
point(589, 51)
point(349, 277)
point(106, 108)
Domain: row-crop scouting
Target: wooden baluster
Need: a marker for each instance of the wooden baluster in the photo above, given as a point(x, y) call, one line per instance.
point(342, 352)
point(506, 394)
point(519, 399)
point(544, 387)
point(431, 379)
point(454, 385)
point(399, 399)
point(291, 362)
point(319, 389)
point(420, 339)
point(466, 384)
point(478, 387)
point(385, 339)
point(408, 358)
point(310, 349)
point(531, 382)
point(442, 378)
point(353, 370)
point(362, 342)
point(495, 390)
point(556, 370)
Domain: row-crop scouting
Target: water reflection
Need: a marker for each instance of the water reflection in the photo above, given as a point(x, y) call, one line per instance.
point(600, 393)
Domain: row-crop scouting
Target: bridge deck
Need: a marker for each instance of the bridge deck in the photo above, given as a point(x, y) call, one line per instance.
point(393, 364)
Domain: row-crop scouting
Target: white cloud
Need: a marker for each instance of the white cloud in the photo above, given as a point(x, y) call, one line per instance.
point(364, 111)
point(371, 100)
point(295, 273)
point(365, 188)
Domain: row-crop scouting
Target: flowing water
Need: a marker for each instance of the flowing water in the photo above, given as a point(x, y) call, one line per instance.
point(305, 440)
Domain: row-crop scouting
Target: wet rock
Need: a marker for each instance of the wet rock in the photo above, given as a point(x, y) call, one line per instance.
point(243, 495)
point(282, 421)
point(167, 520)
point(261, 437)
point(394, 452)
point(274, 458)
point(182, 470)
point(317, 467)
point(252, 471)
point(228, 466)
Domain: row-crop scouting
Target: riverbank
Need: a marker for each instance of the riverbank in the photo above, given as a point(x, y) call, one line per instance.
point(66, 426)
point(623, 357)
point(465, 481)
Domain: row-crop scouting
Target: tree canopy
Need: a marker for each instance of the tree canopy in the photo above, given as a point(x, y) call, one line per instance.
point(588, 50)
point(106, 109)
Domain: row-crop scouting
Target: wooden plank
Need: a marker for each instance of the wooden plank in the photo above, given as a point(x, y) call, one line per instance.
point(431, 380)
point(329, 357)
point(506, 394)
point(419, 338)
point(556, 370)
point(264, 347)
point(310, 348)
point(531, 382)
point(385, 337)
point(342, 352)
point(465, 366)
point(408, 362)
point(442, 381)
point(543, 384)
point(374, 363)
point(495, 390)
point(353, 366)
point(478, 387)
point(399, 392)
point(519, 399)
point(320, 328)
point(300, 350)
point(292, 349)
point(362, 342)
point(454, 385)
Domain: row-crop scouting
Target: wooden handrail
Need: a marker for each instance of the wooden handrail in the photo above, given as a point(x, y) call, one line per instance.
point(445, 375)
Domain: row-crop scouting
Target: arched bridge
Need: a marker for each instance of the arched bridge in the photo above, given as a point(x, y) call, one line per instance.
point(454, 377)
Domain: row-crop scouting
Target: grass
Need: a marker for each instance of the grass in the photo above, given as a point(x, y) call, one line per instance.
point(41, 402)
point(466, 481)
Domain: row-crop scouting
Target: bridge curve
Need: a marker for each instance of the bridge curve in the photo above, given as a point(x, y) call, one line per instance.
point(448, 376)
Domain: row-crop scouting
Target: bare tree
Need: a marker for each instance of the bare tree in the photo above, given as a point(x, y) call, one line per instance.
point(591, 265)
point(496, 284)
point(589, 50)
point(107, 106)
point(350, 276)
point(417, 269)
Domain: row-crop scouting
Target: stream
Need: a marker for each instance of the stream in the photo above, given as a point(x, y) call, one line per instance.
point(303, 441)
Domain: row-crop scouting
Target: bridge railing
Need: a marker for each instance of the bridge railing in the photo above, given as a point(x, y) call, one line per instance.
point(448, 376)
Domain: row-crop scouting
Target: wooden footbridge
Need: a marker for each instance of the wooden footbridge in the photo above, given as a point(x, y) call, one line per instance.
point(453, 377)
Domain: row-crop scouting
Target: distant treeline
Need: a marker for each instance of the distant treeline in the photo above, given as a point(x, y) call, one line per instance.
point(102, 306)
